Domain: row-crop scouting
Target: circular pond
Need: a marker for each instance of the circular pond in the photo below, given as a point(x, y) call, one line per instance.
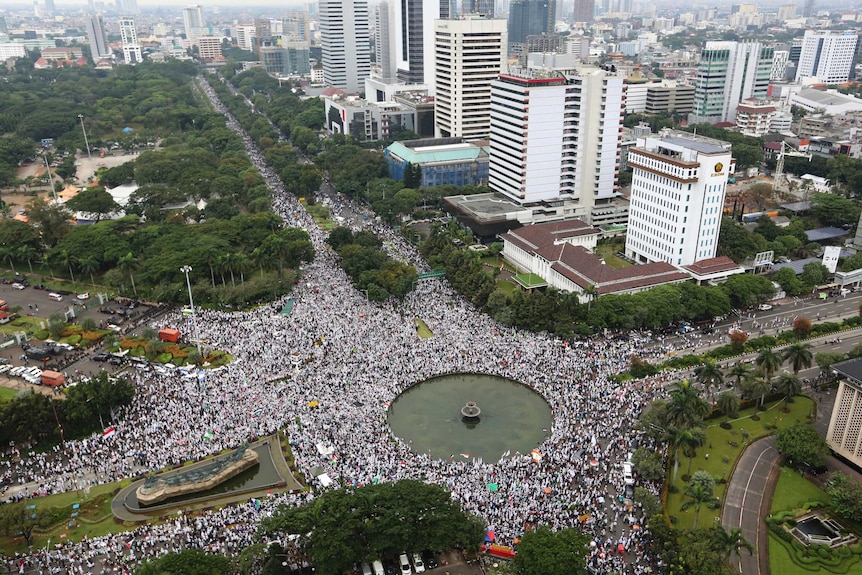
point(430, 417)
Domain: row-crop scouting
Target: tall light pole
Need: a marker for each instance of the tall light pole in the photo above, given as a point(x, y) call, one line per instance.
point(186, 270)
point(50, 176)
point(86, 142)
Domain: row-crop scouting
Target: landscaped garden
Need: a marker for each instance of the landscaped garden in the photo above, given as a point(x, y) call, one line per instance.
point(721, 450)
point(795, 495)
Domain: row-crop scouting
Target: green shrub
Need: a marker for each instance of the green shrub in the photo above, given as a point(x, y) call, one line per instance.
point(164, 358)
point(41, 334)
point(74, 339)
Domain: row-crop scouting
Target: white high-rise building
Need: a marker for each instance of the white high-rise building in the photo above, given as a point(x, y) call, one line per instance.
point(779, 65)
point(679, 182)
point(129, 37)
point(827, 56)
point(194, 23)
point(470, 54)
point(245, 34)
point(728, 73)
point(345, 43)
point(96, 37)
point(384, 44)
point(556, 135)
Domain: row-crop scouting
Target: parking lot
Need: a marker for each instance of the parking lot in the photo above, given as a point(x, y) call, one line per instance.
point(41, 304)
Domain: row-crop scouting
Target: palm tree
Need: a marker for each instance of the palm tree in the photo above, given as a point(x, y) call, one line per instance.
point(800, 356)
point(726, 543)
point(241, 262)
point(63, 257)
point(260, 257)
point(759, 385)
point(211, 259)
point(741, 372)
point(727, 404)
point(789, 384)
point(769, 361)
point(128, 264)
point(89, 265)
point(698, 495)
point(709, 374)
point(683, 439)
point(27, 252)
point(6, 254)
point(686, 407)
point(228, 262)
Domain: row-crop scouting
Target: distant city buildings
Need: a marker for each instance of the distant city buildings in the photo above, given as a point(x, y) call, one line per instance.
point(194, 22)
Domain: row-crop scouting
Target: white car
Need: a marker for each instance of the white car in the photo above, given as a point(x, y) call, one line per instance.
point(84, 296)
point(764, 307)
point(628, 476)
point(405, 564)
point(418, 565)
point(18, 286)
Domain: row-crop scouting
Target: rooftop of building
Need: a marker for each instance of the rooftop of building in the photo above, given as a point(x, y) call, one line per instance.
point(827, 97)
point(438, 150)
point(692, 141)
point(711, 266)
point(852, 368)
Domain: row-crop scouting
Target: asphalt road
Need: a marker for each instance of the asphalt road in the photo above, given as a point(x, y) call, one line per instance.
point(747, 499)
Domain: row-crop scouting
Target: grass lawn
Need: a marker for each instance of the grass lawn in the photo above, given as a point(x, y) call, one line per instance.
point(793, 491)
point(25, 323)
point(7, 394)
point(94, 517)
point(422, 328)
point(608, 252)
point(506, 287)
point(722, 454)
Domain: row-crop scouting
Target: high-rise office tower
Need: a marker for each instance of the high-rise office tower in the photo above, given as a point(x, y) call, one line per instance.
point(556, 135)
point(384, 43)
point(295, 23)
point(808, 11)
point(677, 197)
point(470, 54)
point(194, 22)
point(245, 34)
point(345, 43)
point(786, 12)
point(126, 6)
point(3, 27)
point(129, 37)
point(584, 10)
point(96, 37)
point(728, 73)
point(49, 6)
point(262, 32)
point(481, 7)
point(412, 32)
point(529, 18)
point(827, 56)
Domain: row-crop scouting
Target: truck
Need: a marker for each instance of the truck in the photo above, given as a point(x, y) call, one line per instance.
point(169, 334)
point(53, 378)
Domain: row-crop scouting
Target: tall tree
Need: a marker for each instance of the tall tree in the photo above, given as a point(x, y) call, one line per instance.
point(727, 543)
point(129, 264)
point(686, 407)
point(789, 384)
point(769, 361)
point(727, 404)
point(698, 495)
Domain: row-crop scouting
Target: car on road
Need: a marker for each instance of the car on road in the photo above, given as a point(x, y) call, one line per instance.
point(405, 564)
point(116, 360)
point(40, 287)
point(83, 296)
point(430, 560)
point(764, 307)
point(18, 286)
point(418, 565)
point(100, 357)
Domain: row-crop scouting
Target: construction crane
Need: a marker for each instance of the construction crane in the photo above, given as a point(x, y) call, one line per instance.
point(786, 150)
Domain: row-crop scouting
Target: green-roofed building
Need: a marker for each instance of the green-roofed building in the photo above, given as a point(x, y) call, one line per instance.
point(442, 160)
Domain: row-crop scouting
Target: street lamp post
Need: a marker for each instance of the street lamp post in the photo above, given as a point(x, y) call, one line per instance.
point(186, 270)
point(50, 176)
point(86, 142)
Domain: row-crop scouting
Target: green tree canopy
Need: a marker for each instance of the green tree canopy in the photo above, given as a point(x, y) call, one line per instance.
point(545, 552)
point(802, 444)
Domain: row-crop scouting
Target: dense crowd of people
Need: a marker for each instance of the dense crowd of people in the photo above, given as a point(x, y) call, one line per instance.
point(325, 376)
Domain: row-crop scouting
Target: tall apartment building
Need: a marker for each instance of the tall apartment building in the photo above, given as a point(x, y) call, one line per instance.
point(556, 135)
point(677, 196)
point(96, 37)
point(470, 54)
point(827, 56)
point(584, 11)
point(345, 43)
point(481, 7)
point(209, 48)
point(412, 33)
point(728, 73)
point(129, 37)
point(194, 23)
point(779, 65)
point(786, 12)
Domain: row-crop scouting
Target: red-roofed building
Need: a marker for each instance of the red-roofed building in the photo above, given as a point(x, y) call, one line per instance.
point(713, 270)
point(753, 118)
point(561, 254)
